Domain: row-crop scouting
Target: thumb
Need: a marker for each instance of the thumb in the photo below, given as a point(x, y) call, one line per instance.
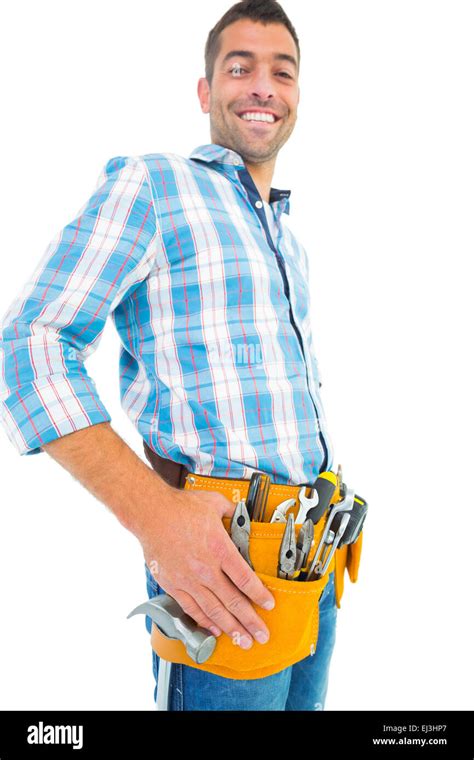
point(227, 507)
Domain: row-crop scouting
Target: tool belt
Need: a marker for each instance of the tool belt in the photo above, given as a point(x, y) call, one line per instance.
point(294, 621)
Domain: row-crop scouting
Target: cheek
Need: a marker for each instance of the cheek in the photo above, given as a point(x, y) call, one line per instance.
point(294, 109)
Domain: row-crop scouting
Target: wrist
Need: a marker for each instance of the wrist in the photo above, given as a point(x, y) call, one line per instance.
point(150, 505)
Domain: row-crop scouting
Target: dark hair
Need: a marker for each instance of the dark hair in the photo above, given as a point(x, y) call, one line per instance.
point(265, 11)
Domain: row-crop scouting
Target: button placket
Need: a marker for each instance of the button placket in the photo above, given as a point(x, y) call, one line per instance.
point(305, 343)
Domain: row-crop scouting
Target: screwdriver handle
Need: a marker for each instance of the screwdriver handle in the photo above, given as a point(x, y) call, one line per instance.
point(325, 489)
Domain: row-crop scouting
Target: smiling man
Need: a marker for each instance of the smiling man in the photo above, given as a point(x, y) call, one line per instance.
point(208, 289)
point(251, 86)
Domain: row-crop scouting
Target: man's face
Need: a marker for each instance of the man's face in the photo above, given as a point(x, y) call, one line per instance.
point(255, 73)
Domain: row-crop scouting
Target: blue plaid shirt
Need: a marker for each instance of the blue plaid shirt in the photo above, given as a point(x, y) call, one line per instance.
point(217, 368)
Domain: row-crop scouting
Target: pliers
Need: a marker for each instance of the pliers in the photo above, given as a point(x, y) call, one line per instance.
point(287, 554)
point(304, 543)
point(240, 530)
point(294, 553)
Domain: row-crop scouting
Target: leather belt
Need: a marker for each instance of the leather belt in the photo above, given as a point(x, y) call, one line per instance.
point(178, 476)
point(172, 473)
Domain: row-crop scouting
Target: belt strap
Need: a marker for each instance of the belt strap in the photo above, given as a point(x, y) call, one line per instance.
point(172, 472)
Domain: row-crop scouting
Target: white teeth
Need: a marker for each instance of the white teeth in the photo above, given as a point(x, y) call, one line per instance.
point(258, 116)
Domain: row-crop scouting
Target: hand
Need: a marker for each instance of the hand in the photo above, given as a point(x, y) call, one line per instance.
point(193, 558)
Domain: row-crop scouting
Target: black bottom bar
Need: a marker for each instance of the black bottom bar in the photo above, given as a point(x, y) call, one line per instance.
point(375, 734)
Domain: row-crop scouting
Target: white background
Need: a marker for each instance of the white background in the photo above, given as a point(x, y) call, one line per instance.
point(381, 166)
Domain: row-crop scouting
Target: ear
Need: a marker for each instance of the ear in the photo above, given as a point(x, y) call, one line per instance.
point(204, 95)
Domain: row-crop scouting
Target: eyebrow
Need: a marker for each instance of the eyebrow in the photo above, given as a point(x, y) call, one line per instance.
point(248, 54)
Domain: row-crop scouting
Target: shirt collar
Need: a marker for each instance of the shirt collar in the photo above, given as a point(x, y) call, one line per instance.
point(230, 160)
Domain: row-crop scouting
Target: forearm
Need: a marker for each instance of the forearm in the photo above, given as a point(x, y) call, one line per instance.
point(103, 463)
point(198, 565)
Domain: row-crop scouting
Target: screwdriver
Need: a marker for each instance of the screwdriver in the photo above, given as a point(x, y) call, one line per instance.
point(325, 485)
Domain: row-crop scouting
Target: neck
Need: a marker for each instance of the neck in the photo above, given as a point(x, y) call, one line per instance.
point(262, 175)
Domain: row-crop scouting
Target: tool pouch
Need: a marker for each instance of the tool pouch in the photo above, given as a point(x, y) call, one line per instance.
point(293, 622)
point(346, 557)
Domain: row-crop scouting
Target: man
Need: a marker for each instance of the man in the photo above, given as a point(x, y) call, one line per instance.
point(208, 289)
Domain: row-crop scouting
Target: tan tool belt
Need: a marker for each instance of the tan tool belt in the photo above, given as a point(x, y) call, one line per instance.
point(294, 621)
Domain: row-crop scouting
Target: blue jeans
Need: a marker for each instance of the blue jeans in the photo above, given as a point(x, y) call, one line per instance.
point(301, 686)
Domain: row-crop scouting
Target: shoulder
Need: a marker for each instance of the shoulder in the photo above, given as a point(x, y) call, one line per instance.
point(159, 162)
point(161, 168)
point(144, 161)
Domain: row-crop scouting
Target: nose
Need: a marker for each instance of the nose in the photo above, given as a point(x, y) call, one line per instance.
point(262, 85)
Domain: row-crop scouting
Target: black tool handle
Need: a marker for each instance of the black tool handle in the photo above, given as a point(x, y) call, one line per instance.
point(325, 490)
point(254, 488)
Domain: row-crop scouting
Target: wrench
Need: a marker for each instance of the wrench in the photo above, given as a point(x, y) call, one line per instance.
point(306, 503)
point(342, 506)
point(333, 540)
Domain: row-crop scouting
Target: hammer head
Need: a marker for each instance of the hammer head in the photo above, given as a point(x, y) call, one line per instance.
point(174, 623)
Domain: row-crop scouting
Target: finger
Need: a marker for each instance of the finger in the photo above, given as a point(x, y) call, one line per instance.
point(242, 575)
point(226, 506)
point(192, 608)
point(217, 611)
point(238, 605)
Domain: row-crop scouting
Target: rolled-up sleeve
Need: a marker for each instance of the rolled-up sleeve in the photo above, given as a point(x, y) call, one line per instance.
point(57, 321)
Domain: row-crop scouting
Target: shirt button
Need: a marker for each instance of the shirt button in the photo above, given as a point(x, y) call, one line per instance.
point(259, 204)
point(236, 162)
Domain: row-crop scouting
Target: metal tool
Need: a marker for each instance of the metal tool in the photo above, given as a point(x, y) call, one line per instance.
point(342, 485)
point(174, 623)
point(306, 503)
point(356, 523)
point(287, 554)
point(279, 515)
point(163, 684)
point(342, 506)
point(240, 530)
point(333, 541)
point(345, 505)
point(304, 543)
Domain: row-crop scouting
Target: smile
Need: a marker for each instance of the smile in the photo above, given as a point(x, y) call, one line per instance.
point(260, 116)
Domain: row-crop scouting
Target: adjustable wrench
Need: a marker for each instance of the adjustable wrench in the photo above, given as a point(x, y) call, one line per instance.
point(342, 506)
point(333, 540)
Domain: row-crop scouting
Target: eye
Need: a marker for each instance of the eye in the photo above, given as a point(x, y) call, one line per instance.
point(237, 70)
point(285, 75)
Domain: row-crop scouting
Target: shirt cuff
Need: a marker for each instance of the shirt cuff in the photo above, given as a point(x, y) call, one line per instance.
point(49, 408)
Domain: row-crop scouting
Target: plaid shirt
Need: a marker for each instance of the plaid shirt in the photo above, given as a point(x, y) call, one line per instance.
point(217, 368)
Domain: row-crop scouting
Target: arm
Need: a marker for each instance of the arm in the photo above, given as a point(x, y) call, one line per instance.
point(184, 540)
point(49, 403)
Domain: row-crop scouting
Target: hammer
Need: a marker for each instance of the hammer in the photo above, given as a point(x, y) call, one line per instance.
point(174, 623)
